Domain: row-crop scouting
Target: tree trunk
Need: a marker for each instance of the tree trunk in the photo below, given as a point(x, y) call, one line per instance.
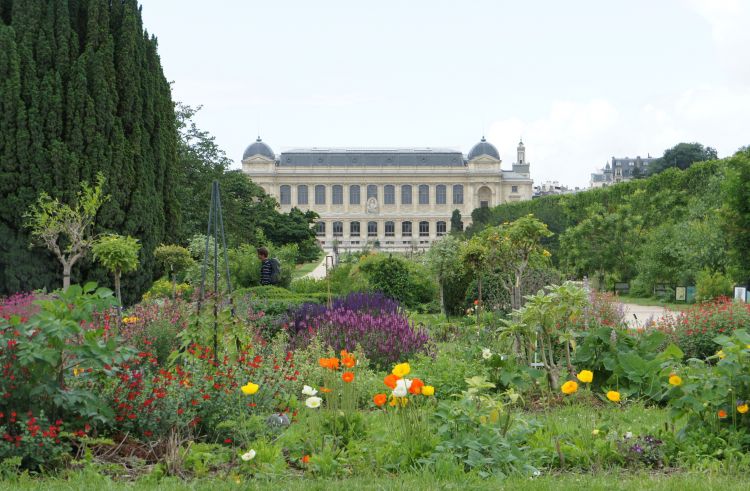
point(66, 275)
point(117, 287)
point(174, 286)
point(442, 299)
point(479, 305)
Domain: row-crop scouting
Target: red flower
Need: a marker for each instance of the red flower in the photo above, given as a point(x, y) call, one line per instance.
point(228, 440)
point(306, 459)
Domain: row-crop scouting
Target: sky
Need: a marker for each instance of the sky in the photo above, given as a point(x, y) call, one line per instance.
point(580, 81)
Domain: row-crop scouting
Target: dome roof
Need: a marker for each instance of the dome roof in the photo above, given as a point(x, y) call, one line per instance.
point(258, 148)
point(484, 148)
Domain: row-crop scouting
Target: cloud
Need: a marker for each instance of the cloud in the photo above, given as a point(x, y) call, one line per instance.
point(577, 137)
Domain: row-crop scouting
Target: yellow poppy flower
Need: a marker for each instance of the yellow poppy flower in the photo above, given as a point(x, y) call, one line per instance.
point(613, 396)
point(250, 388)
point(675, 380)
point(569, 387)
point(428, 390)
point(401, 370)
point(742, 408)
point(585, 376)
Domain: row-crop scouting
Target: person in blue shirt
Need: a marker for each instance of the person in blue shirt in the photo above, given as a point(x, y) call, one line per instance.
point(265, 266)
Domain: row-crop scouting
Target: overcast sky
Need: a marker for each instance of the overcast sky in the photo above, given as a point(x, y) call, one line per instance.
point(580, 81)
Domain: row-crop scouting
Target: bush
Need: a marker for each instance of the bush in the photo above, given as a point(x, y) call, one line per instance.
point(163, 288)
point(370, 320)
point(694, 330)
point(408, 282)
point(709, 286)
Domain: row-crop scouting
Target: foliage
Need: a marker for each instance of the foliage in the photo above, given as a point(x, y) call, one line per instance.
point(163, 288)
point(173, 259)
point(709, 286)
point(372, 321)
point(736, 212)
point(55, 362)
point(444, 260)
point(118, 254)
point(694, 329)
point(682, 156)
point(406, 281)
point(67, 230)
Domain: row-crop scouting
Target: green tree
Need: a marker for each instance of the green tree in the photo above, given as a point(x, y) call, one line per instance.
point(682, 156)
point(457, 226)
point(444, 260)
point(736, 212)
point(473, 256)
point(174, 260)
point(66, 230)
point(118, 254)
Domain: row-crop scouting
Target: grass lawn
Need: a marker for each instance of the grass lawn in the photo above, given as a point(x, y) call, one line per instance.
point(301, 270)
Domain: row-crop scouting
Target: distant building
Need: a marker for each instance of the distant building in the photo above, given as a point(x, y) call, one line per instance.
point(552, 187)
point(621, 169)
point(395, 198)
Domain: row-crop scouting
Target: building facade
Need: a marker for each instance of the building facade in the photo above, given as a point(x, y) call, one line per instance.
point(621, 169)
point(394, 199)
point(552, 187)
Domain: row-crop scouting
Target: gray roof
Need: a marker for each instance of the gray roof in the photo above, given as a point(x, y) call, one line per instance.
point(484, 148)
point(258, 148)
point(372, 157)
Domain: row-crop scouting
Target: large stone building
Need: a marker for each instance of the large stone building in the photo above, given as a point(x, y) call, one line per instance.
point(622, 169)
point(395, 199)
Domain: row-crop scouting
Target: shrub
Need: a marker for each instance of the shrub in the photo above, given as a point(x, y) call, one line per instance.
point(408, 282)
point(694, 330)
point(709, 286)
point(163, 288)
point(373, 321)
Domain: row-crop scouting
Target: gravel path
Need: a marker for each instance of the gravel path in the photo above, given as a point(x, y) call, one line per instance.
point(637, 315)
point(319, 272)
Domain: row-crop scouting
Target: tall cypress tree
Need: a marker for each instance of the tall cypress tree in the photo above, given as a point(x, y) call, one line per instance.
point(81, 91)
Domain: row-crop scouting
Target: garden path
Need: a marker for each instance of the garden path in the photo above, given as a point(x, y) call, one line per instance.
point(637, 315)
point(319, 272)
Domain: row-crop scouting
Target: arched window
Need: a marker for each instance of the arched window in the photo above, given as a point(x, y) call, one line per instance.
point(320, 228)
point(372, 229)
point(337, 194)
point(285, 195)
point(440, 194)
point(441, 229)
point(354, 194)
point(389, 194)
point(372, 191)
point(424, 194)
point(354, 229)
point(424, 229)
point(406, 194)
point(320, 194)
point(338, 229)
point(302, 194)
point(406, 229)
point(390, 229)
point(458, 194)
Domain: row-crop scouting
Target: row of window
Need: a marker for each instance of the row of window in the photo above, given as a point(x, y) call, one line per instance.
point(389, 194)
point(372, 229)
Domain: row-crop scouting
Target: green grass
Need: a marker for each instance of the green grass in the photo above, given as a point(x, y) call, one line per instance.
point(635, 481)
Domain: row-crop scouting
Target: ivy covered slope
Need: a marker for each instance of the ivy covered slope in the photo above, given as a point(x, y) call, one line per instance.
point(82, 91)
point(666, 228)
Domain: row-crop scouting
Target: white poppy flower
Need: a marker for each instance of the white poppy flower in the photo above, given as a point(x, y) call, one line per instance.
point(486, 353)
point(402, 387)
point(248, 456)
point(313, 402)
point(309, 391)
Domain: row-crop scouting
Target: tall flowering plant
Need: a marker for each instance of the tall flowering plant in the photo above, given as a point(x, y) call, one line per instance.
point(372, 321)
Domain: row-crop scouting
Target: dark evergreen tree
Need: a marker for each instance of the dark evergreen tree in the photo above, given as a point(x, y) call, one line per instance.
point(82, 91)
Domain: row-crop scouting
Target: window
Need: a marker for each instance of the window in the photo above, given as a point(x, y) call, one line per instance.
point(338, 229)
point(514, 189)
point(320, 194)
point(424, 229)
point(389, 194)
point(458, 194)
point(354, 195)
point(285, 195)
point(337, 194)
point(320, 228)
point(354, 229)
point(406, 229)
point(372, 229)
point(372, 191)
point(441, 228)
point(406, 194)
point(390, 229)
point(440, 194)
point(302, 194)
point(484, 204)
point(424, 194)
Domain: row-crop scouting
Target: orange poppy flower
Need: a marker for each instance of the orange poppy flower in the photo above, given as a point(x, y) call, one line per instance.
point(325, 390)
point(722, 414)
point(306, 459)
point(416, 386)
point(390, 381)
point(379, 399)
point(347, 377)
point(348, 361)
point(330, 363)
